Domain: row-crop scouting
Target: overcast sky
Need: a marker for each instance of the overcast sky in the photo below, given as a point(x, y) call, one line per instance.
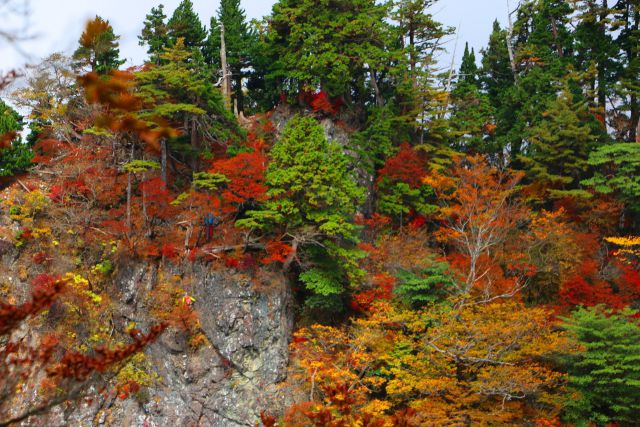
point(57, 24)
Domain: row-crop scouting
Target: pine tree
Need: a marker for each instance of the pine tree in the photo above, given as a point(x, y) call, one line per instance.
point(185, 23)
point(155, 34)
point(179, 90)
point(606, 372)
point(99, 47)
point(419, 36)
point(542, 43)
point(498, 82)
point(238, 39)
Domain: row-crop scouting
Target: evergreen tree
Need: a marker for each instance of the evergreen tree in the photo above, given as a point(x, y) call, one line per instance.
point(99, 47)
point(496, 74)
point(428, 287)
point(498, 81)
point(238, 39)
point(326, 45)
point(542, 44)
point(606, 372)
point(413, 69)
point(628, 69)
point(185, 24)
point(618, 172)
point(15, 156)
point(471, 112)
point(180, 90)
point(594, 46)
point(314, 200)
point(155, 34)
point(560, 143)
point(468, 69)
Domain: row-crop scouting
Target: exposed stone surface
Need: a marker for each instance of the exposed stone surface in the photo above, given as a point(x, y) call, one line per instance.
point(226, 384)
point(230, 382)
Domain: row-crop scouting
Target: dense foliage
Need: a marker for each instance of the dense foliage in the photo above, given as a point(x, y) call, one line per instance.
point(462, 248)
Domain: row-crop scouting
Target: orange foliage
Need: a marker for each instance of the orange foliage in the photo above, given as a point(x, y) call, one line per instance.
point(407, 166)
point(277, 251)
point(479, 214)
point(246, 178)
point(450, 367)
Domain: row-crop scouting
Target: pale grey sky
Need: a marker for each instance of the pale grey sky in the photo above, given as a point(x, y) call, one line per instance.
point(57, 24)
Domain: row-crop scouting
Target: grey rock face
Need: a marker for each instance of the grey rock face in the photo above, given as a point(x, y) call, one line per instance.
point(228, 383)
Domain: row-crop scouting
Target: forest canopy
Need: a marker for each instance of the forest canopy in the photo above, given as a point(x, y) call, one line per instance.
point(461, 245)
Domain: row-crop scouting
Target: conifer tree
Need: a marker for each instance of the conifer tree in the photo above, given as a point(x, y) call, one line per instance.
point(99, 47)
point(594, 46)
point(324, 45)
point(560, 143)
point(15, 156)
point(605, 372)
point(496, 74)
point(628, 69)
point(618, 172)
point(542, 43)
point(238, 39)
point(155, 34)
point(471, 112)
point(185, 24)
point(468, 69)
point(313, 201)
point(180, 90)
point(420, 37)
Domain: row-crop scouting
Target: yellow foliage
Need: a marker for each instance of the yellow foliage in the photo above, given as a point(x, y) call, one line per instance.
point(629, 247)
point(478, 363)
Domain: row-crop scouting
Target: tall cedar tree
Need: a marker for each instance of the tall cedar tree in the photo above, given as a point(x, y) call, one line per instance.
point(238, 39)
point(178, 90)
point(99, 47)
point(542, 43)
point(155, 34)
point(185, 23)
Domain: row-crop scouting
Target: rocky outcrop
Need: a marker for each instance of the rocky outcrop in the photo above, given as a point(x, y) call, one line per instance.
point(227, 383)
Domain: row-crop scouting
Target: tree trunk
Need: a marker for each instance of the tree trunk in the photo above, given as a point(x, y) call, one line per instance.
point(602, 69)
point(194, 143)
point(144, 201)
point(129, 191)
point(376, 88)
point(226, 78)
point(633, 52)
point(163, 161)
point(512, 59)
point(238, 94)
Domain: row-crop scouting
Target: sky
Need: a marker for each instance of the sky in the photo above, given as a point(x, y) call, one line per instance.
point(57, 24)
